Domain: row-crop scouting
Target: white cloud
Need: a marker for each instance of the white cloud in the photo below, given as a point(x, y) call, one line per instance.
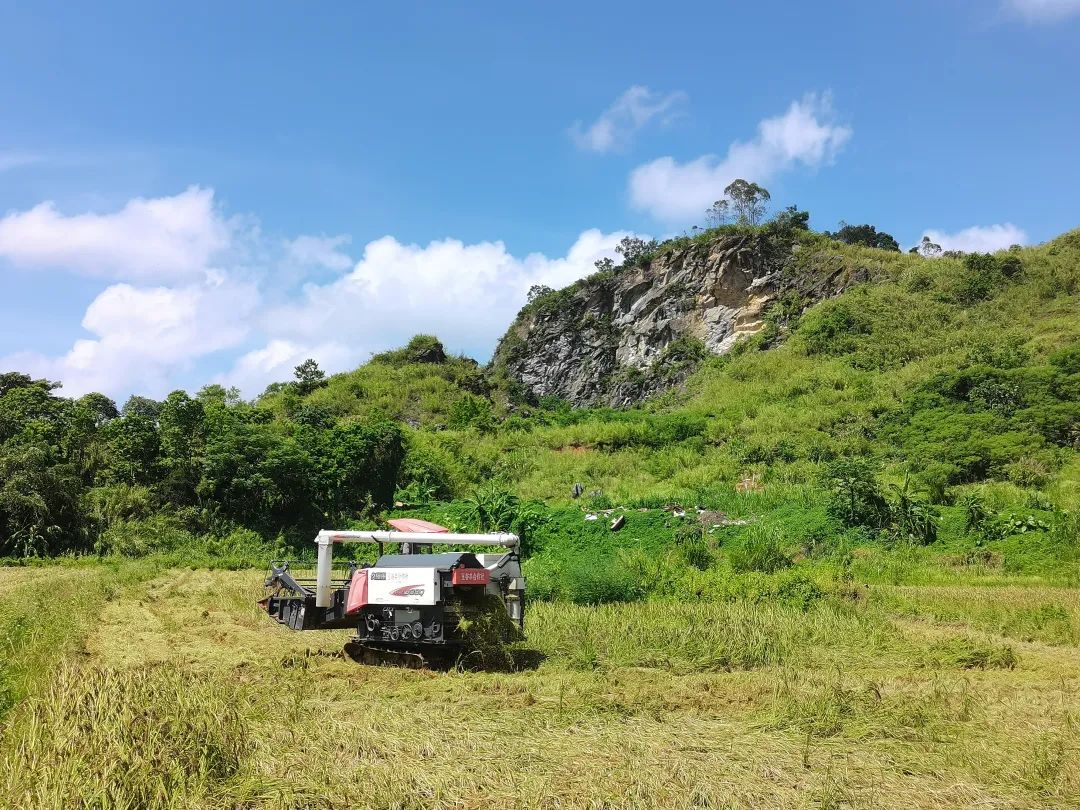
point(680, 192)
point(979, 238)
point(580, 260)
point(148, 239)
point(319, 251)
point(143, 336)
point(467, 294)
point(139, 335)
point(277, 361)
point(1042, 11)
point(193, 288)
point(631, 111)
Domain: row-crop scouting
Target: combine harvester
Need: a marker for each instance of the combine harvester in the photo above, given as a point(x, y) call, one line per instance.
point(413, 608)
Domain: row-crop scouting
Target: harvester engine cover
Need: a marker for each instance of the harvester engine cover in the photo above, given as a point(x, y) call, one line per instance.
point(407, 597)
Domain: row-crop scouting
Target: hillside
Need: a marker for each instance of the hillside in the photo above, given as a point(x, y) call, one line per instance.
point(838, 379)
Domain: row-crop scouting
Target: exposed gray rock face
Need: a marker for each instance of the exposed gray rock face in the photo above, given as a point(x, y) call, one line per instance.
point(616, 338)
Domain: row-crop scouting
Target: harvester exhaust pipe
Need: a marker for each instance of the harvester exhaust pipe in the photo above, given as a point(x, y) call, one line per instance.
point(325, 540)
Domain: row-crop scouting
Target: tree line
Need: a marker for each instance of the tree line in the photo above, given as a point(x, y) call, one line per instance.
point(747, 203)
point(70, 468)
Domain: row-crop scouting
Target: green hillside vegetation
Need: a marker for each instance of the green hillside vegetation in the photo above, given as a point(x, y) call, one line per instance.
point(933, 410)
point(418, 385)
point(932, 414)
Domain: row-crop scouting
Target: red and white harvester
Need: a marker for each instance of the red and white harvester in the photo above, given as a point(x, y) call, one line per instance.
point(407, 607)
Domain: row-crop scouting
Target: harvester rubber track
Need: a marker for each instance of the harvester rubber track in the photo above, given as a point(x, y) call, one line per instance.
point(384, 656)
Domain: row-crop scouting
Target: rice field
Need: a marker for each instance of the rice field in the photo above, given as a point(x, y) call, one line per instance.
point(147, 689)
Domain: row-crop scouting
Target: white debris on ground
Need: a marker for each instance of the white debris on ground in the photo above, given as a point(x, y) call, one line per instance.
point(710, 519)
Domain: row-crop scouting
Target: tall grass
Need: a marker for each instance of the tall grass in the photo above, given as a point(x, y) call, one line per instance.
point(151, 737)
point(1050, 615)
point(688, 637)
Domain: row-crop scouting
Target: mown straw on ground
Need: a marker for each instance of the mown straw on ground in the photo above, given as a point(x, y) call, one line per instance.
point(645, 705)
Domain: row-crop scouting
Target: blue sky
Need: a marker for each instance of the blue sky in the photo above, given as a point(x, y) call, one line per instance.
point(213, 192)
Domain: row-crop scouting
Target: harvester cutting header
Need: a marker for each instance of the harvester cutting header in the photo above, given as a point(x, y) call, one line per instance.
point(410, 607)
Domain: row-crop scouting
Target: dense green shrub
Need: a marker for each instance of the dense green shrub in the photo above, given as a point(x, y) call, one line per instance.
point(582, 578)
point(857, 499)
point(39, 502)
point(425, 475)
point(1067, 360)
point(911, 518)
point(984, 420)
point(867, 235)
point(419, 349)
point(980, 281)
point(164, 538)
point(691, 541)
point(472, 411)
point(141, 538)
point(114, 503)
point(759, 549)
point(833, 328)
point(677, 357)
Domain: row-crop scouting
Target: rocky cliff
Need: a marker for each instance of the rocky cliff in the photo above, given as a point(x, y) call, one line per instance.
point(618, 336)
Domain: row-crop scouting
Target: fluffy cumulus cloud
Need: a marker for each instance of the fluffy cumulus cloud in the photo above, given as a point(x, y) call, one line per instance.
point(979, 238)
point(464, 293)
point(1043, 11)
point(181, 294)
point(142, 336)
point(166, 238)
point(187, 290)
point(629, 113)
point(806, 135)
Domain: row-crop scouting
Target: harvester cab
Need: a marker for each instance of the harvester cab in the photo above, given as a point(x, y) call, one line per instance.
point(411, 607)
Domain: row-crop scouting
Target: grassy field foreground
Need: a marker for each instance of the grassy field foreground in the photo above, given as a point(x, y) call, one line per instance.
point(141, 689)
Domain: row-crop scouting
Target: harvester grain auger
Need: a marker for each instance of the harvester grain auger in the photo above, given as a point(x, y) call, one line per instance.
point(411, 608)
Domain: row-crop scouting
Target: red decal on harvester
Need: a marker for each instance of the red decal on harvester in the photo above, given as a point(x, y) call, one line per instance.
point(470, 576)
